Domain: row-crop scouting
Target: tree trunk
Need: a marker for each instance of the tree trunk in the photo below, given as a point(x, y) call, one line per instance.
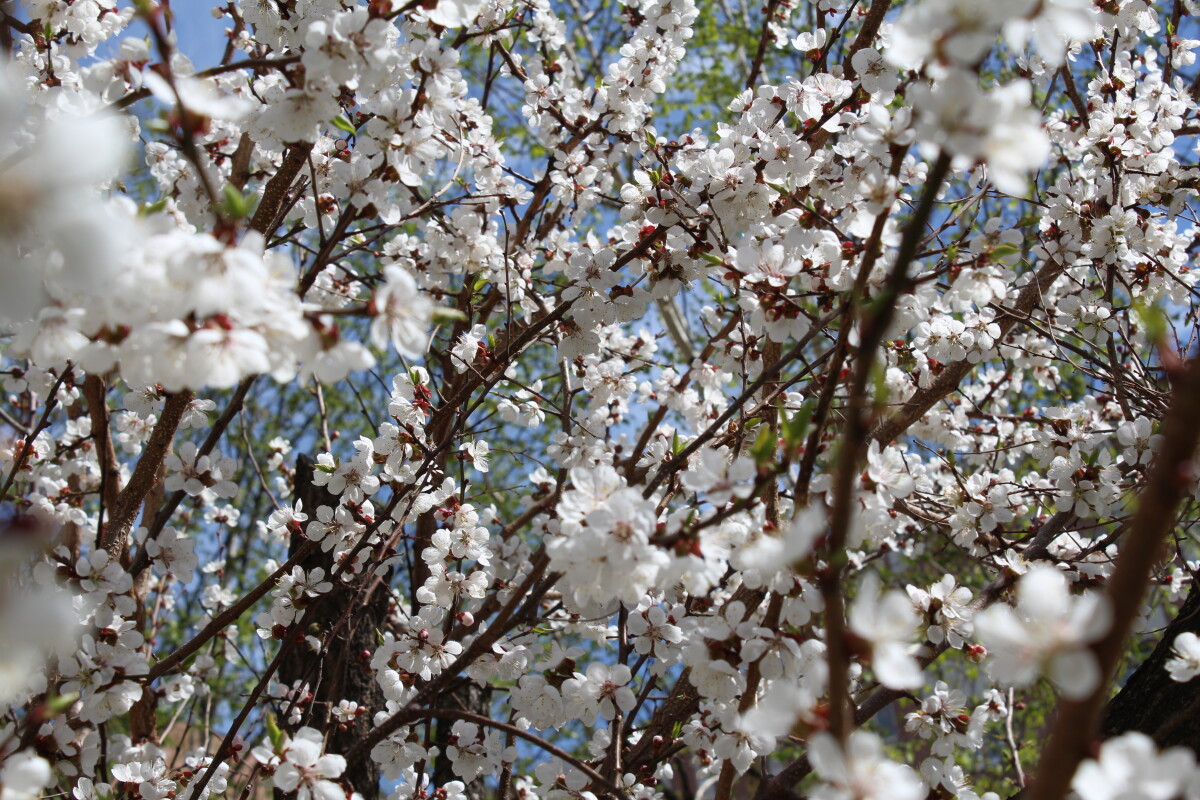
point(1154, 704)
point(342, 674)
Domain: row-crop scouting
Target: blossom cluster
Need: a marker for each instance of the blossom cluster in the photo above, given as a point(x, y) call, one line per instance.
point(452, 397)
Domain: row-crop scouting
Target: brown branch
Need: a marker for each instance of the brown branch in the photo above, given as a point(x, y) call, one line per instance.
point(866, 35)
point(266, 215)
point(163, 514)
point(1169, 482)
point(854, 448)
point(466, 716)
point(924, 399)
point(1072, 89)
point(94, 393)
point(250, 63)
point(27, 449)
point(756, 65)
point(871, 253)
point(478, 647)
point(115, 536)
point(226, 617)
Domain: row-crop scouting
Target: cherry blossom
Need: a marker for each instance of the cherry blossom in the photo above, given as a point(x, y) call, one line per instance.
point(305, 769)
point(860, 770)
point(1048, 629)
point(584, 400)
point(1131, 765)
point(1185, 663)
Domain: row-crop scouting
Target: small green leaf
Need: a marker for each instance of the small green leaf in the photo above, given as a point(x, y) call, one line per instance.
point(443, 314)
point(795, 429)
point(61, 702)
point(763, 449)
point(237, 205)
point(879, 384)
point(341, 123)
point(273, 732)
point(1004, 249)
point(152, 208)
point(1153, 320)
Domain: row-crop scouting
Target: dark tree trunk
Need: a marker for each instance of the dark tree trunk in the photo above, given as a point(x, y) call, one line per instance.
point(342, 674)
point(1152, 703)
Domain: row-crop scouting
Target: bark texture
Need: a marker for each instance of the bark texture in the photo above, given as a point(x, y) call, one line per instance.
point(341, 673)
point(1152, 703)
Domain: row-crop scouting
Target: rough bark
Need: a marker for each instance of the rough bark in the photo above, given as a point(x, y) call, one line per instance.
point(341, 674)
point(1152, 703)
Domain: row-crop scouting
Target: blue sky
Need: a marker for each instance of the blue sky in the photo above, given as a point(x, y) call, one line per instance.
point(201, 36)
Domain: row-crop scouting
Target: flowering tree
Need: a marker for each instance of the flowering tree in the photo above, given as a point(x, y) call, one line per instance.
point(507, 399)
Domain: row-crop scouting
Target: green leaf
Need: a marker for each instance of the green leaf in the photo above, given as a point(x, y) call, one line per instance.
point(236, 204)
point(763, 449)
point(795, 429)
point(273, 732)
point(342, 124)
point(443, 314)
point(1005, 249)
point(61, 702)
point(1153, 320)
point(152, 208)
point(879, 384)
